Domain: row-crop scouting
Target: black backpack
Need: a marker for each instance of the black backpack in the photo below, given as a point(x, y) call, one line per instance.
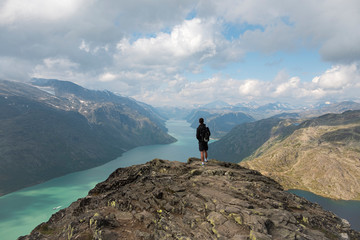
point(205, 134)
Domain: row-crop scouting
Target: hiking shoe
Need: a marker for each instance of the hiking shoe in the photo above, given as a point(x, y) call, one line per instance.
point(205, 160)
point(202, 163)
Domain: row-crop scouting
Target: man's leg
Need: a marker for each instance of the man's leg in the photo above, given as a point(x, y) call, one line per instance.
point(202, 155)
point(205, 155)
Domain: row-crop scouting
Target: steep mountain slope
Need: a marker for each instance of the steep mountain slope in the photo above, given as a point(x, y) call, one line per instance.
point(194, 115)
point(320, 156)
point(246, 138)
point(223, 123)
point(173, 112)
point(173, 200)
point(48, 134)
point(81, 99)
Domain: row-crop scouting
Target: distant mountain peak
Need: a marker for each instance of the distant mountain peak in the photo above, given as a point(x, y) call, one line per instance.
point(216, 105)
point(275, 106)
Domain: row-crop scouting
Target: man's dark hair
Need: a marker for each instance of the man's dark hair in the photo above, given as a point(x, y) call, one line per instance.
point(201, 120)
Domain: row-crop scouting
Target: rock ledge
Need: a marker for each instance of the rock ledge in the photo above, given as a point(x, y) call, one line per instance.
point(172, 200)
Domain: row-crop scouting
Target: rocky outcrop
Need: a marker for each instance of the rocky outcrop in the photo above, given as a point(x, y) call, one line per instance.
point(173, 200)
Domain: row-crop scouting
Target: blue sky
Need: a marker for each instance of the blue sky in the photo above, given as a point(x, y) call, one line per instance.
point(174, 53)
point(304, 63)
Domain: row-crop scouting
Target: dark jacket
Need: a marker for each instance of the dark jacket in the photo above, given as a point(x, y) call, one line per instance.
point(198, 130)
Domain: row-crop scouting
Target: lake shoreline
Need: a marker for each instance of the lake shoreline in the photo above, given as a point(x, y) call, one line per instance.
point(23, 210)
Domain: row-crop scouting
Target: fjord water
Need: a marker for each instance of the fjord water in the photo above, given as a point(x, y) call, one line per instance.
point(350, 210)
point(23, 210)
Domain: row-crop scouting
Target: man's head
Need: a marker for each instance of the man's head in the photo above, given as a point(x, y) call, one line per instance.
point(201, 120)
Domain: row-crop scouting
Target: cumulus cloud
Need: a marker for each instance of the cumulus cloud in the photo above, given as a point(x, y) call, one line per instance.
point(60, 68)
point(15, 11)
point(339, 77)
point(286, 25)
point(190, 43)
point(157, 51)
point(339, 82)
point(287, 87)
point(84, 46)
point(107, 77)
point(251, 88)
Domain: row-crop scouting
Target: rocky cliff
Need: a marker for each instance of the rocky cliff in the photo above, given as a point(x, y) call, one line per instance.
point(173, 200)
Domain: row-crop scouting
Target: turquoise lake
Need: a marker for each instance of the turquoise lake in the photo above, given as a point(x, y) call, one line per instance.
point(23, 210)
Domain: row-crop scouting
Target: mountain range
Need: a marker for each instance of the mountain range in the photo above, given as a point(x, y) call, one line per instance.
point(244, 139)
point(320, 155)
point(222, 117)
point(50, 128)
point(220, 123)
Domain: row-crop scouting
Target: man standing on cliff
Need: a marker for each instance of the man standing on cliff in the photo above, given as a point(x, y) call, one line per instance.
point(203, 136)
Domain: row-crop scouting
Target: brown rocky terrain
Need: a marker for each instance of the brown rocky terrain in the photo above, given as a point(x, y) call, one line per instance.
point(173, 200)
point(321, 156)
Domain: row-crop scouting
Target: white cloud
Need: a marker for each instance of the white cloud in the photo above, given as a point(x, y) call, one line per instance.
point(285, 88)
point(189, 43)
point(330, 25)
point(330, 85)
point(151, 50)
point(60, 68)
point(107, 77)
point(157, 89)
point(84, 46)
point(13, 11)
point(251, 88)
point(339, 77)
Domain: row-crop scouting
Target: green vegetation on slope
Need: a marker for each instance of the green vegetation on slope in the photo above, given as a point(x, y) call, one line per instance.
point(43, 136)
point(321, 156)
point(243, 140)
